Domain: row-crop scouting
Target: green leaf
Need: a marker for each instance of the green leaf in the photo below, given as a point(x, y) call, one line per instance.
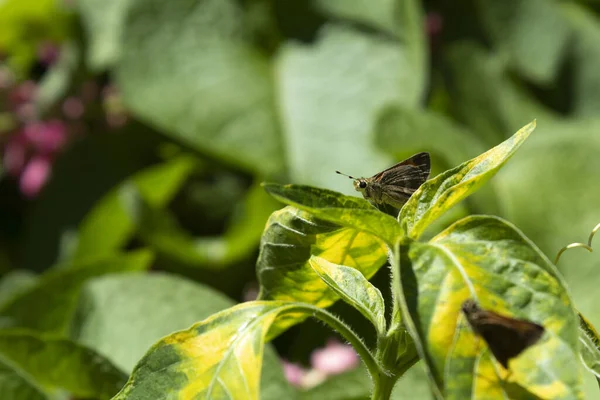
point(111, 223)
point(350, 96)
point(216, 358)
point(586, 59)
point(50, 303)
point(559, 165)
point(57, 81)
point(439, 194)
point(121, 316)
point(356, 385)
point(104, 22)
point(590, 346)
point(354, 289)
point(49, 364)
point(477, 80)
point(15, 386)
point(534, 34)
point(94, 164)
point(403, 132)
point(334, 207)
point(209, 88)
point(15, 282)
point(238, 241)
point(291, 237)
point(26, 24)
point(488, 259)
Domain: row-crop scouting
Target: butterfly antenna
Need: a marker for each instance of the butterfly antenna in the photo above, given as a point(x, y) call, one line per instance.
point(349, 176)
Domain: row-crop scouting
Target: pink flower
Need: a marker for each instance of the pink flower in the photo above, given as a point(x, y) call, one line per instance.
point(15, 153)
point(34, 176)
point(294, 373)
point(47, 53)
point(46, 137)
point(73, 107)
point(434, 23)
point(334, 358)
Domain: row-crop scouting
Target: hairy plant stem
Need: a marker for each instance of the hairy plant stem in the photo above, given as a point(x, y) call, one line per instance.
point(363, 351)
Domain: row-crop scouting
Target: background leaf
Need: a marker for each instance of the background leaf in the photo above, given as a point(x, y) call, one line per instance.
point(49, 304)
point(230, 102)
point(50, 364)
point(349, 100)
point(533, 34)
point(121, 316)
point(110, 224)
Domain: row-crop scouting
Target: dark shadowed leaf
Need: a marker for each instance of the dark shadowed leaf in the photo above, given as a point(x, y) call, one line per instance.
point(112, 221)
point(216, 252)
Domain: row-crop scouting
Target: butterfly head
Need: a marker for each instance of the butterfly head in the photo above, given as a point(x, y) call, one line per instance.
point(360, 184)
point(470, 308)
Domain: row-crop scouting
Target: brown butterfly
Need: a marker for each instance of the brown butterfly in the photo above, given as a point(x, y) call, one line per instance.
point(506, 337)
point(395, 185)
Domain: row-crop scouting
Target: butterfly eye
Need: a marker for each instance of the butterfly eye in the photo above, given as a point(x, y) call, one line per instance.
point(362, 184)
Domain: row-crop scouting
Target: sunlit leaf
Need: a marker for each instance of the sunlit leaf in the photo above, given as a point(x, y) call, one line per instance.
point(50, 364)
point(353, 288)
point(50, 303)
point(291, 237)
point(590, 346)
point(439, 194)
point(26, 24)
point(110, 224)
point(219, 357)
point(339, 209)
point(487, 259)
point(121, 316)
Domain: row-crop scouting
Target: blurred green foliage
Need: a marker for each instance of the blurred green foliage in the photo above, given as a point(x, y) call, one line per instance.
point(224, 94)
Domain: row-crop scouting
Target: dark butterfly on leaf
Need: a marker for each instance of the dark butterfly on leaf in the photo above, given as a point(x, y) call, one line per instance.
point(506, 337)
point(395, 185)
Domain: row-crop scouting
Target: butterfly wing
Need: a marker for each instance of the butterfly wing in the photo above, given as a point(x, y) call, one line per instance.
point(410, 173)
point(507, 337)
point(400, 181)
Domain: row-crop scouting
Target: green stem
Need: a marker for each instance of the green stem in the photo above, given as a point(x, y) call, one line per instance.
point(383, 386)
point(363, 351)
